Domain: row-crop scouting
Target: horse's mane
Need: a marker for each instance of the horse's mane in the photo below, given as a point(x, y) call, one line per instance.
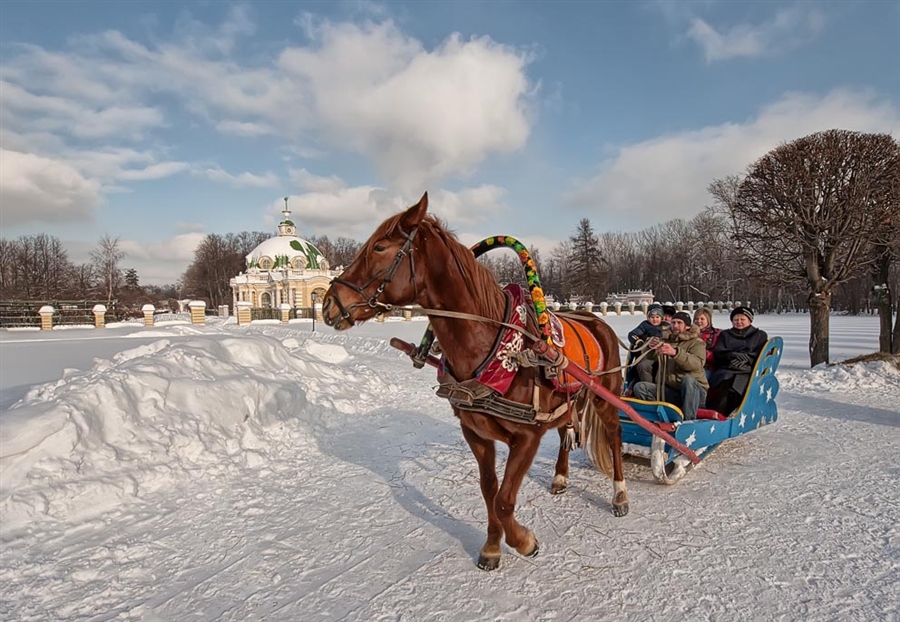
point(478, 279)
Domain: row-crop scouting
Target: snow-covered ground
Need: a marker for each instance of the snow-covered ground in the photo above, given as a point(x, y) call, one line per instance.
point(270, 472)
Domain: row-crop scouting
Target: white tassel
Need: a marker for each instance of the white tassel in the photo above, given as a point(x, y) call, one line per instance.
point(570, 442)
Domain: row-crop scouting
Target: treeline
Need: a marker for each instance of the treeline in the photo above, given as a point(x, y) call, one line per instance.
point(37, 267)
point(694, 260)
point(812, 225)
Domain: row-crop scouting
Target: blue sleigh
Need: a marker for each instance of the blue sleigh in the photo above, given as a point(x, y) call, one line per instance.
point(710, 428)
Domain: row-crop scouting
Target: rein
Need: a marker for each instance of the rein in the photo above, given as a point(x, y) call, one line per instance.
point(644, 349)
point(405, 251)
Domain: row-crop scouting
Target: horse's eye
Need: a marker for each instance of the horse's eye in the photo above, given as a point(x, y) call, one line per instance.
point(379, 248)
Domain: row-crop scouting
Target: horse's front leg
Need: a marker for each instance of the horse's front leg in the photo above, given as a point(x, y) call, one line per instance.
point(522, 450)
point(561, 475)
point(485, 454)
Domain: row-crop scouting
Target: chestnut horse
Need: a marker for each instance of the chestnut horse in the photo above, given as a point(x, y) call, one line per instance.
point(412, 259)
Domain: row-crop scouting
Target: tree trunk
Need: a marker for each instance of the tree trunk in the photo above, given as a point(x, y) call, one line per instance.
point(819, 317)
point(895, 343)
point(883, 301)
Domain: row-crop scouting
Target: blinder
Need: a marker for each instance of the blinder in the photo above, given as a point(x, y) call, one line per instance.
point(388, 273)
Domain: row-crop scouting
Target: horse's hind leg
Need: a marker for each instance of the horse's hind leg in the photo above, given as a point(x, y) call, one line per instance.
point(561, 475)
point(485, 454)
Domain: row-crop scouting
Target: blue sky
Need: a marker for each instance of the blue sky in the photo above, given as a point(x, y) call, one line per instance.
point(161, 122)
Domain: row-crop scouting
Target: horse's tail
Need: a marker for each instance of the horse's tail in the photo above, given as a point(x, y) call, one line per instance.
point(594, 438)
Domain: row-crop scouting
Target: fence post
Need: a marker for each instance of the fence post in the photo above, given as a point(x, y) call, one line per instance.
point(604, 307)
point(618, 307)
point(285, 309)
point(148, 311)
point(99, 316)
point(631, 307)
point(46, 317)
point(198, 311)
point(407, 314)
point(243, 312)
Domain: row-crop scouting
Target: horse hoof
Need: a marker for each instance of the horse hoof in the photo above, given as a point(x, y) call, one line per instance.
point(620, 509)
point(557, 489)
point(488, 563)
point(537, 549)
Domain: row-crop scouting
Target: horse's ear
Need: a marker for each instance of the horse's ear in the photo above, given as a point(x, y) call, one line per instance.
point(414, 215)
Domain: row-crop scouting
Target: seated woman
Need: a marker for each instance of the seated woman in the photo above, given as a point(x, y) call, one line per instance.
point(709, 334)
point(734, 355)
point(651, 327)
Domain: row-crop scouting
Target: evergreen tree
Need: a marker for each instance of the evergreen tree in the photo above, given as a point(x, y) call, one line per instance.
point(588, 270)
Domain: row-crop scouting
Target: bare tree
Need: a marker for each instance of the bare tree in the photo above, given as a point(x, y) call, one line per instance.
point(886, 252)
point(217, 259)
point(106, 258)
point(808, 212)
point(34, 267)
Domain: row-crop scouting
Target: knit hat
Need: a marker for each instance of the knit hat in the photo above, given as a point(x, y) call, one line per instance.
point(683, 316)
point(747, 311)
point(655, 309)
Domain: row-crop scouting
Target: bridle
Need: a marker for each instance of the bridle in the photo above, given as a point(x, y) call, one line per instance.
point(388, 273)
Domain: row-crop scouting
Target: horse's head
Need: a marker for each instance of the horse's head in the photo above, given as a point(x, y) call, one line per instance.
point(381, 276)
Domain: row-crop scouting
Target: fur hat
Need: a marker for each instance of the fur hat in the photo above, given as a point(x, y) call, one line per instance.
point(746, 311)
point(655, 309)
point(683, 316)
point(669, 310)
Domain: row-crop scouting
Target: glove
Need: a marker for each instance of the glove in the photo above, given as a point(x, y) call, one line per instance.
point(741, 362)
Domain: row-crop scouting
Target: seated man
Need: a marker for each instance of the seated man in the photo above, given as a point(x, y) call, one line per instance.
point(681, 355)
point(735, 354)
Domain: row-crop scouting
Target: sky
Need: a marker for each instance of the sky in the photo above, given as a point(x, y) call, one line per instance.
point(162, 122)
point(269, 472)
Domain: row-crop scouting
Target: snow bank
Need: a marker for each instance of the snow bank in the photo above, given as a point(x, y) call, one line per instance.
point(155, 414)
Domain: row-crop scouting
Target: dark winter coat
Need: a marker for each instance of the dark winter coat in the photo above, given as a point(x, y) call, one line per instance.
point(735, 354)
point(643, 332)
point(690, 356)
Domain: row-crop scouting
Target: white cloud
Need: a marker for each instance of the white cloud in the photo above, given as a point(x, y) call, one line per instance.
point(787, 29)
point(331, 208)
point(154, 171)
point(667, 177)
point(34, 188)
point(305, 180)
point(244, 128)
point(418, 115)
point(267, 180)
point(340, 211)
point(179, 248)
point(120, 163)
point(161, 262)
point(469, 206)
